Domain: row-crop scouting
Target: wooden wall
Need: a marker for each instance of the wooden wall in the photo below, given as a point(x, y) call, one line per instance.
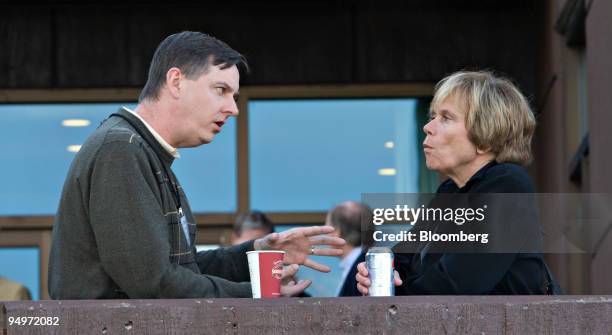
point(63, 44)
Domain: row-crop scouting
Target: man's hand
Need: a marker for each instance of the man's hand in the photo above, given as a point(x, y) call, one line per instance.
point(289, 288)
point(363, 281)
point(298, 243)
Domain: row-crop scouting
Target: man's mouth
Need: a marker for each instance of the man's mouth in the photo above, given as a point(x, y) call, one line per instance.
point(220, 124)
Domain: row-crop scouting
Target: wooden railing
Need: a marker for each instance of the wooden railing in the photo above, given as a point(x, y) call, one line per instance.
point(360, 315)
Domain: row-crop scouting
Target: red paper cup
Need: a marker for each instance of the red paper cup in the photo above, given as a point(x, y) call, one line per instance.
point(266, 269)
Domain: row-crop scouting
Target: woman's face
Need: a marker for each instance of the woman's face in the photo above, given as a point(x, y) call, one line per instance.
point(447, 147)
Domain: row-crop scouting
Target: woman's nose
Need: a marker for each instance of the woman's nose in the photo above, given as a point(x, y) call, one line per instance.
point(428, 127)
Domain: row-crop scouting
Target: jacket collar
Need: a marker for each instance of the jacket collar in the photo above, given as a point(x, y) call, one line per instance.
point(144, 132)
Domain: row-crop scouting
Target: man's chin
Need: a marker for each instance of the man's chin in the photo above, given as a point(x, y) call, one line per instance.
point(205, 139)
point(201, 141)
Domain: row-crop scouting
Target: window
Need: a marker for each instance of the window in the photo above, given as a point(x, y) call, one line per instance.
point(208, 173)
point(323, 284)
point(307, 155)
point(21, 265)
point(39, 142)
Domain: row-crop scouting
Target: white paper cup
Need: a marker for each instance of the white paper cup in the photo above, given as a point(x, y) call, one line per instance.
point(266, 270)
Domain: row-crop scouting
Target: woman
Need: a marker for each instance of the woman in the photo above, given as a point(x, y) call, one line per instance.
point(479, 136)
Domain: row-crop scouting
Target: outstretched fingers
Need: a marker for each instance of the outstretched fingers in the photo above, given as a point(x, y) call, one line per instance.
point(317, 230)
point(327, 252)
point(327, 240)
point(316, 266)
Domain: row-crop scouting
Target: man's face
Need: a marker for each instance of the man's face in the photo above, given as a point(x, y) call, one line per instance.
point(206, 103)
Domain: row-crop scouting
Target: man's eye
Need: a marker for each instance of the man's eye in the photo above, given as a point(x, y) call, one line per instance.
point(220, 90)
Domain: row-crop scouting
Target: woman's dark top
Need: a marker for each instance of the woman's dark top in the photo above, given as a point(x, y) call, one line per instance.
point(426, 273)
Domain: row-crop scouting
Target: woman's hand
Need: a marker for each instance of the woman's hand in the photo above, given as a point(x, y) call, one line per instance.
point(363, 280)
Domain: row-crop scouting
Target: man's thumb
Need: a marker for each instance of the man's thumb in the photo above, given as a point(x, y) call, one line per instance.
point(290, 270)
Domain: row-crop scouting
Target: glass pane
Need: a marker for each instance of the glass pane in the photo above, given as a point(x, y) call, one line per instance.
point(21, 265)
point(307, 155)
point(208, 172)
point(323, 284)
point(36, 147)
point(39, 149)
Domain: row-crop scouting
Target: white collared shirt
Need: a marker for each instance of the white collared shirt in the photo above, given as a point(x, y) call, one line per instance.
point(170, 149)
point(345, 265)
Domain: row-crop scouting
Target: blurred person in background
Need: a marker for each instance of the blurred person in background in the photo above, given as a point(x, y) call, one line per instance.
point(347, 220)
point(251, 226)
point(13, 291)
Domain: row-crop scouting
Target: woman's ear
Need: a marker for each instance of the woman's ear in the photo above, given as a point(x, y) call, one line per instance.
point(483, 151)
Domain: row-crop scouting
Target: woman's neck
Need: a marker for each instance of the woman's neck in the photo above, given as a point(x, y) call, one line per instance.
point(462, 174)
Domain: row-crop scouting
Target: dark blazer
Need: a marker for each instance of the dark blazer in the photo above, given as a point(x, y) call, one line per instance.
point(349, 288)
point(425, 273)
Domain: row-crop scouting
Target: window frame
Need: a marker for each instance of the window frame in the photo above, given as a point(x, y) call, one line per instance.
point(353, 91)
point(40, 239)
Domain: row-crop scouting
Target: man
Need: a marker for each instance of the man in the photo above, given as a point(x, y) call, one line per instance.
point(346, 218)
point(250, 226)
point(124, 228)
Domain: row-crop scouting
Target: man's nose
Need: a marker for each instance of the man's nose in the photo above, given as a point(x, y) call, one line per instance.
point(232, 108)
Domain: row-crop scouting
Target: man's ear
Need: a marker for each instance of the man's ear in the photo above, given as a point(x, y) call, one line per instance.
point(173, 82)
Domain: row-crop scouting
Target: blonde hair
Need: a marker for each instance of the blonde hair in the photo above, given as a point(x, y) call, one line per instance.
point(497, 115)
